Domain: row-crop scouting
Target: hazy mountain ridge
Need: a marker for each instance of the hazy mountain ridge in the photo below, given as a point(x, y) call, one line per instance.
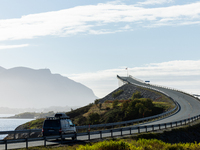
point(22, 87)
point(7, 110)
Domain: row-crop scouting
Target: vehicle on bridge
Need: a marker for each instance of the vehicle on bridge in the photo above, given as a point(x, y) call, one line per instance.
point(58, 125)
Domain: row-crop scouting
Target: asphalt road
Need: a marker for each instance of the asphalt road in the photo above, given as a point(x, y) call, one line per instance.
point(189, 107)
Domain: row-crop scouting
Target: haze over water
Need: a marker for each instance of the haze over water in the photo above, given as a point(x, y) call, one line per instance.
point(10, 124)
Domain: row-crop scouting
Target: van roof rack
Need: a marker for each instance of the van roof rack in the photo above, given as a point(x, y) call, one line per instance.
point(55, 118)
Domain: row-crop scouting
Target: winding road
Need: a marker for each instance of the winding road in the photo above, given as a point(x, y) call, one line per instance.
point(189, 106)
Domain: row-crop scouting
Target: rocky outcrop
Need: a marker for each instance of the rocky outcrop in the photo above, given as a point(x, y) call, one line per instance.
point(23, 135)
point(129, 89)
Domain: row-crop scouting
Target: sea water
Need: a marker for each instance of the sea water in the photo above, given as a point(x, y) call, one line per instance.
point(10, 124)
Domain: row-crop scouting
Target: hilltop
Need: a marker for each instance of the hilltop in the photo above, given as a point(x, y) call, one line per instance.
point(129, 89)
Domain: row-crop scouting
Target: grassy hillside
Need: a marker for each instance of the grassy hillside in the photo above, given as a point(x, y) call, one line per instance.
point(110, 111)
point(125, 103)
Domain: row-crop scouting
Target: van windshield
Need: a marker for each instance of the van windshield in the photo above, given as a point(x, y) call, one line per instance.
point(52, 123)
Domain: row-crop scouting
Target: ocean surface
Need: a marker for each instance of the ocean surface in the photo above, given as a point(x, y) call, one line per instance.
point(10, 124)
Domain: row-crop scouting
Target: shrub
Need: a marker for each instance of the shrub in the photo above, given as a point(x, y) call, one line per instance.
point(136, 95)
point(115, 103)
point(117, 93)
point(106, 145)
point(107, 108)
point(125, 105)
point(96, 102)
point(94, 118)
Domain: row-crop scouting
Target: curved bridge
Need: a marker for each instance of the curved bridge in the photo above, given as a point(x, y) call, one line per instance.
point(189, 105)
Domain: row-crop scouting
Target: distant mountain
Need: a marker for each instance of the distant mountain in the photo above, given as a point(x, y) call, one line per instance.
point(7, 110)
point(22, 87)
point(2, 69)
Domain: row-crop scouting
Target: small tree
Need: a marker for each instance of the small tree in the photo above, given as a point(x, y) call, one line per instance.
point(136, 95)
point(96, 102)
point(125, 105)
point(115, 103)
point(100, 105)
point(117, 93)
point(94, 118)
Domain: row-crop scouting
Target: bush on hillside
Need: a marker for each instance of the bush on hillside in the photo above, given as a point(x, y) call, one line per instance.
point(94, 118)
point(114, 115)
point(117, 93)
point(136, 95)
point(115, 103)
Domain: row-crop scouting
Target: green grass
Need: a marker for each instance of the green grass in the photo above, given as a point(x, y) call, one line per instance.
point(34, 124)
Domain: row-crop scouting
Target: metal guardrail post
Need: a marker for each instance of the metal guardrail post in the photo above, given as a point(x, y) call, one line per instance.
point(171, 124)
point(159, 126)
point(130, 131)
point(26, 143)
point(89, 136)
point(121, 132)
point(152, 127)
point(29, 133)
point(15, 135)
point(45, 142)
point(6, 144)
point(146, 128)
point(61, 136)
point(138, 129)
point(111, 133)
point(100, 134)
point(165, 126)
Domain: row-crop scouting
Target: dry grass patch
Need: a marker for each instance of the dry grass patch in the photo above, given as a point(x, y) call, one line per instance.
point(96, 109)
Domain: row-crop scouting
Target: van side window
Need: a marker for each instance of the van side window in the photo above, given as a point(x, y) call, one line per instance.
point(66, 123)
point(70, 122)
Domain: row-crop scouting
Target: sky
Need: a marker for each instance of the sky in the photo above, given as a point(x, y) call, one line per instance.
point(92, 42)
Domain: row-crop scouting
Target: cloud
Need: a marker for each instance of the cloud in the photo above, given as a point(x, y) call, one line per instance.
point(184, 75)
point(98, 19)
point(13, 46)
point(153, 2)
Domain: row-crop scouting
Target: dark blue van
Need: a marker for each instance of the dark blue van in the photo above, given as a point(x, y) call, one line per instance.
point(58, 125)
